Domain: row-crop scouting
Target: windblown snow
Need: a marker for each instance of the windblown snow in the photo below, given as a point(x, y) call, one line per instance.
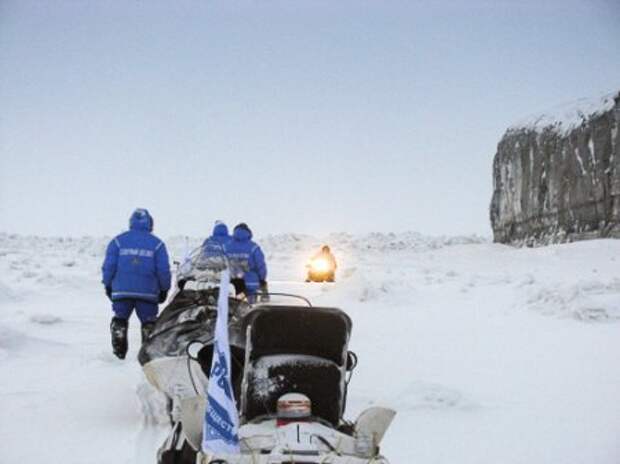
point(489, 354)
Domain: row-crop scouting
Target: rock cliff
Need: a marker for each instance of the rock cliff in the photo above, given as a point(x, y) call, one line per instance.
point(556, 176)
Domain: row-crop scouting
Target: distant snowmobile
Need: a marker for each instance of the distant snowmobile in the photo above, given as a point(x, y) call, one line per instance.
point(322, 266)
point(290, 374)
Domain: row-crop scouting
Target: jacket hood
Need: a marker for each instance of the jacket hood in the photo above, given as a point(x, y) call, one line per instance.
point(141, 220)
point(242, 232)
point(220, 229)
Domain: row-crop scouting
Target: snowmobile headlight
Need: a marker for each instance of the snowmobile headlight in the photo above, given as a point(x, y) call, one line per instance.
point(320, 265)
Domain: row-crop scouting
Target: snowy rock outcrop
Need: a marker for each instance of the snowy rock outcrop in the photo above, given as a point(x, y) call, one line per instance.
point(556, 176)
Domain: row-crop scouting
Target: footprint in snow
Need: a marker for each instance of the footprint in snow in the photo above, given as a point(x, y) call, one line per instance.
point(107, 357)
point(431, 396)
point(153, 404)
point(348, 272)
point(45, 319)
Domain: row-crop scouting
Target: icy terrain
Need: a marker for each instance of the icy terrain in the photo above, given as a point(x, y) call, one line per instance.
point(490, 354)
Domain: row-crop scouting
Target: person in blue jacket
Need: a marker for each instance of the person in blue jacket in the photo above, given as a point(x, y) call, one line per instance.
point(219, 235)
point(136, 275)
point(212, 252)
point(248, 270)
point(213, 246)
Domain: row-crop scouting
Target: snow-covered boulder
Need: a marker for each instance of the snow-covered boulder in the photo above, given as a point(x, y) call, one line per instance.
point(556, 176)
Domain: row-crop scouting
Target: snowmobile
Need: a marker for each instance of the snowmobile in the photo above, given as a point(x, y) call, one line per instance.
point(322, 266)
point(290, 373)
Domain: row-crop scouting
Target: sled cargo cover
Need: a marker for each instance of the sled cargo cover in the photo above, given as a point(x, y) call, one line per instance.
point(190, 316)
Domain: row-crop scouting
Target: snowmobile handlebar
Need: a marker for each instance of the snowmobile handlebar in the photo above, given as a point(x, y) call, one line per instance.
point(290, 295)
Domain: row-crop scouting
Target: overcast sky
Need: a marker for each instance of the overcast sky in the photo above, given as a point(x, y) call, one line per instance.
point(305, 116)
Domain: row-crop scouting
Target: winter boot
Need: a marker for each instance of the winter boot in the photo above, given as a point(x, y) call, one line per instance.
point(147, 328)
point(118, 330)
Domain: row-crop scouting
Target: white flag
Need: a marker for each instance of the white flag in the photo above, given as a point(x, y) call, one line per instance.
point(221, 424)
point(186, 264)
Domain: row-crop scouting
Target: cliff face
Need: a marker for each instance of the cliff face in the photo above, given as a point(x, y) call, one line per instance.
point(557, 177)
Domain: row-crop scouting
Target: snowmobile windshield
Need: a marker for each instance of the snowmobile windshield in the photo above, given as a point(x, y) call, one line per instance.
point(203, 265)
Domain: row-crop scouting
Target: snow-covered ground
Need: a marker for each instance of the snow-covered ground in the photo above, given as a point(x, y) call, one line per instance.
point(490, 354)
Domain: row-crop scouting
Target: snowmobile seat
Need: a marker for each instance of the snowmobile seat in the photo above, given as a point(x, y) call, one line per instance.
point(295, 349)
point(316, 331)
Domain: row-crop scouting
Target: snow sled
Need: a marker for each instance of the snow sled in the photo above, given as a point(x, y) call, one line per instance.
point(190, 318)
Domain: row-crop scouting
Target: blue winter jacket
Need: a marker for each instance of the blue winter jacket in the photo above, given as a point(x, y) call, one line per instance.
point(213, 246)
point(220, 235)
point(136, 264)
point(245, 256)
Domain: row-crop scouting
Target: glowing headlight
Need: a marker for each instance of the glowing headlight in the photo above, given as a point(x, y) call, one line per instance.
point(320, 265)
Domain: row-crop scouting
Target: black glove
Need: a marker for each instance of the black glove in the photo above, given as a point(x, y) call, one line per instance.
point(108, 292)
point(163, 295)
point(264, 297)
